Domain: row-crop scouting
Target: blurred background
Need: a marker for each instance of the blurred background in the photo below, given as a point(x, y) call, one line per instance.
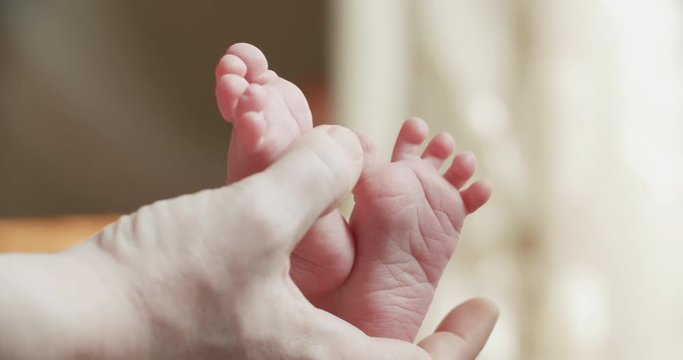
point(573, 107)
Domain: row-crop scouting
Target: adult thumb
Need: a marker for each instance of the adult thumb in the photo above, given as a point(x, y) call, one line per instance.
point(314, 174)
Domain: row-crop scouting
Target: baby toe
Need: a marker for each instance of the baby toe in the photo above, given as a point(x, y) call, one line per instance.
point(229, 89)
point(254, 59)
point(476, 195)
point(230, 64)
point(412, 134)
point(439, 149)
point(461, 169)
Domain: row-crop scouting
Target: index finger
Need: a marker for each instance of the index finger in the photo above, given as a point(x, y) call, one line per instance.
point(463, 332)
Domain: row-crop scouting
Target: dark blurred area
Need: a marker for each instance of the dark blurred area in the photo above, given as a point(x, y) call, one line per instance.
point(109, 105)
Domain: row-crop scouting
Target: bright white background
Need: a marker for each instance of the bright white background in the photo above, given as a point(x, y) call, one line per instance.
point(574, 109)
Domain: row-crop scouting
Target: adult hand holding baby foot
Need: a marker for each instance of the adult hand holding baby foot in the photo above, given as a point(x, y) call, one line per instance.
point(379, 271)
point(207, 276)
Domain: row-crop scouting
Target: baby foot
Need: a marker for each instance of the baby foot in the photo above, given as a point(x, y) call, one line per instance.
point(268, 113)
point(406, 222)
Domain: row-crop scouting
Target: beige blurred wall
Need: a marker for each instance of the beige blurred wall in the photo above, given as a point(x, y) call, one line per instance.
point(574, 109)
point(108, 105)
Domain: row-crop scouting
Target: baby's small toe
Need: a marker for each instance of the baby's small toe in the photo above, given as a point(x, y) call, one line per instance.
point(412, 134)
point(476, 195)
point(461, 169)
point(230, 64)
point(229, 89)
point(254, 59)
point(439, 149)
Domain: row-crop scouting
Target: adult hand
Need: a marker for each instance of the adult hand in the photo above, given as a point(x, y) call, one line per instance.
point(207, 276)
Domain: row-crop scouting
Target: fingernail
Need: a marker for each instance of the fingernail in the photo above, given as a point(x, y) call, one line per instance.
point(348, 141)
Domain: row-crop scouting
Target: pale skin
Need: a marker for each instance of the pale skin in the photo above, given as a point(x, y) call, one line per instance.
point(206, 276)
point(378, 272)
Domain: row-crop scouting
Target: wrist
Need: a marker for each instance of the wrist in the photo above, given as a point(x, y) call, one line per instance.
point(120, 326)
point(72, 304)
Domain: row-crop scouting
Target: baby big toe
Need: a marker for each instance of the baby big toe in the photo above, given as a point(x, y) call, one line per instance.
point(253, 58)
point(412, 134)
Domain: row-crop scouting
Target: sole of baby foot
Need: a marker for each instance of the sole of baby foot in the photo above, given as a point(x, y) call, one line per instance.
point(406, 221)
